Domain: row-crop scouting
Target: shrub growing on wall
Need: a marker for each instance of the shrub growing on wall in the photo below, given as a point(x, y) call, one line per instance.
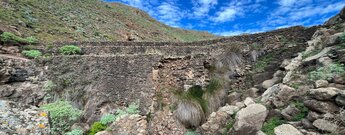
point(32, 54)
point(70, 50)
point(8, 37)
point(62, 116)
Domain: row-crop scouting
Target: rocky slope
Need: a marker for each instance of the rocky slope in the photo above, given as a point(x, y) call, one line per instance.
point(87, 20)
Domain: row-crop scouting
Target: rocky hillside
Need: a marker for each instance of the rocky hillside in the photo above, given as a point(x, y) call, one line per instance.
point(86, 20)
point(284, 82)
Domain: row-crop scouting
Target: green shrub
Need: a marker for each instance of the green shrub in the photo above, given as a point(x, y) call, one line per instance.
point(269, 126)
point(31, 40)
point(32, 54)
point(133, 108)
point(108, 119)
point(70, 50)
point(327, 72)
point(62, 115)
point(303, 111)
point(8, 37)
point(75, 132)
point(97, 127)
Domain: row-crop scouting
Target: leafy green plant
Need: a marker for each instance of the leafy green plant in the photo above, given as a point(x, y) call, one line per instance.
point(303, 111)
point(32, 54)
point(269, 126)
point(75, 132)
point(108, 119)
point(97, 127)
point(326, 72)
point(62, 115)
point(8, 37)
point(70, 50)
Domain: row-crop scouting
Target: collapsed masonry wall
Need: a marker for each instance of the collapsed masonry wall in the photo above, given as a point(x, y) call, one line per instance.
point(113, 74)
point(297, 33)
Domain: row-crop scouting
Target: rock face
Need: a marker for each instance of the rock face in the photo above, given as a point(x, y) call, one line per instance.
point(129, 125)
point(18, 118)
point(286, 129)
point(20, 77)
point(321, 83)
point(325, 125)
point(251, 117)
point(323, 93)
point(322, 107)
point(217, 120)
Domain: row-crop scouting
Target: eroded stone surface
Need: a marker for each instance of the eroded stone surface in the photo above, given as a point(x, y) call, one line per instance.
point(18, 118)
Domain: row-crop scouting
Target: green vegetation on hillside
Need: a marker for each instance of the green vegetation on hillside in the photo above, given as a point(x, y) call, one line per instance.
point(327, 72)
point(88, 20)
point(32, 54)
point(70, 50)
point(62, 116)
point(11, 38)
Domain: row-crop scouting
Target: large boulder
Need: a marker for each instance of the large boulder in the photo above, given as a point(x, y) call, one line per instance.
point(325, 125)
point(270, 92)
point(286, 129)
point(285, 94)
point(217, 120)
point(323, 93)
point(321, 106)
point(251, 117)
point(129, 125)
point(340, 100)
point(289, 112)
point(321, 83)
point(18, 118)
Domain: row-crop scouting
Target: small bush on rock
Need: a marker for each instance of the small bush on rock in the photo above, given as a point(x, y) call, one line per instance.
point(75, 132)
point(32, 54)
point(108, 119)
point(269, 126)
point(97, 127)
point(62, 116)
point(70, 50)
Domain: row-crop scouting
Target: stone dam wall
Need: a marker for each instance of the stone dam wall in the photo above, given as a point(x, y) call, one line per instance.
point(114, 74)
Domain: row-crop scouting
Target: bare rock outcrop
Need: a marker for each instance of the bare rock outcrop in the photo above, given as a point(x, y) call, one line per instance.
point(18, 118)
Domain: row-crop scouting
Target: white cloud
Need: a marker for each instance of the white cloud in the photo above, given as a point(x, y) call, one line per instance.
point(297, 14)
point(169, 13)
point(202, 7)
point(226, 15)
point(135, 3)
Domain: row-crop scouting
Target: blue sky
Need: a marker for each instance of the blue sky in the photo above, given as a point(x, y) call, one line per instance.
point(233, 17)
